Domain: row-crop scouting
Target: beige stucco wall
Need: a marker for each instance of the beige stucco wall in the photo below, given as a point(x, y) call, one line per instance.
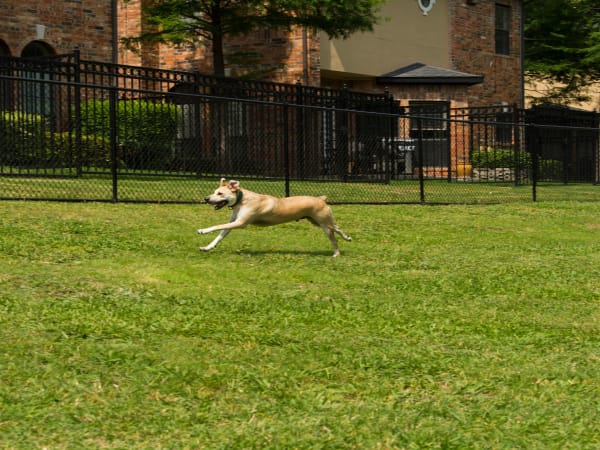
point(403, 37)
point(535, 89)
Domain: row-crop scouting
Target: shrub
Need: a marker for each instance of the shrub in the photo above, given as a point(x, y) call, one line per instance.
point(500, 158)
point(22, 137)
point(62, 151)
point(145, 130)
point(549, 169)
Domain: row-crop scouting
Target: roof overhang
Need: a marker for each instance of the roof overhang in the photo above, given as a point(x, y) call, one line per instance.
point(419, 73)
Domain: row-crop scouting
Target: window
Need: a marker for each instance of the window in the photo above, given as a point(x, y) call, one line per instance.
point(426, 5)
point(502, 29)
point(37, 94)
point(433, 115)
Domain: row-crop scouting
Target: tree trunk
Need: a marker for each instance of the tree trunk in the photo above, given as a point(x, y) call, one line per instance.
point(217, 53)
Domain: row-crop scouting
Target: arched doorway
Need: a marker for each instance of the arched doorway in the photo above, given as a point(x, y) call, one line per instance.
point(37, 49)
point(4, 50)
point(37, 95)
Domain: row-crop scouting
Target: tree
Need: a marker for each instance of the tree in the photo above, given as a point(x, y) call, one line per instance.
point(179, 22)
point(562, 46)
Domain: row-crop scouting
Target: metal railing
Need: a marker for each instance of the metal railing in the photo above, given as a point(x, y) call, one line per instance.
point(83, 130)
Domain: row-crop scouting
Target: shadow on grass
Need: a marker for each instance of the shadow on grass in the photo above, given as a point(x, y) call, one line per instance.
point(284, 252)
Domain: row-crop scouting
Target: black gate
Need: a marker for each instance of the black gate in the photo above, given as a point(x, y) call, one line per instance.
point(430, 127)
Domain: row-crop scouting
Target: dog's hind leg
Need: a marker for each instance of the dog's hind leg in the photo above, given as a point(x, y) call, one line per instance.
point(331, 236)
point(341, 233)
point(330, 228)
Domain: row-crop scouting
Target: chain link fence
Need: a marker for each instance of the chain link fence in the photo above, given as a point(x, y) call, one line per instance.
point(90, 131)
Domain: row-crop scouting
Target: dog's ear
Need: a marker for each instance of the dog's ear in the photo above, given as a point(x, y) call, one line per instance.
point(223, 182)
point(234, 185)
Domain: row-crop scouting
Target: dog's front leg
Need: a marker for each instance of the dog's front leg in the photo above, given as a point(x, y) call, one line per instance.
point(225, 230)
point(215, 241)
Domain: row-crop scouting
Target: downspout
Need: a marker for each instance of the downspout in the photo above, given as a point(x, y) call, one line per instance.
point(115, 33)
point(304, 56)
point(522, 57)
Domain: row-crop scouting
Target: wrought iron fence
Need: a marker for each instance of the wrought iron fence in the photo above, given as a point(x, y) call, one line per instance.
point(84, 130)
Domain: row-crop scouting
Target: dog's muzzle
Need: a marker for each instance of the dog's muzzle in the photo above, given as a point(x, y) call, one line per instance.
point(218, 205)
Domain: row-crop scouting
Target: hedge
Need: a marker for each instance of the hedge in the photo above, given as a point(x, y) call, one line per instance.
point(499, 158)
point(146, 130)
point(21, 136)
point(549, 169)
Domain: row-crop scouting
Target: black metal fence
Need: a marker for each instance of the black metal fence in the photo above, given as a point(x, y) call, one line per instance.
point(82, 130)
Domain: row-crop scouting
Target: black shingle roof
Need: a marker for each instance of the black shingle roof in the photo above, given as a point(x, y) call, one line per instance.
point(420, 73)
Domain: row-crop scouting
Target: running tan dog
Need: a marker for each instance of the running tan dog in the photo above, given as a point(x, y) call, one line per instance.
point(250, 208)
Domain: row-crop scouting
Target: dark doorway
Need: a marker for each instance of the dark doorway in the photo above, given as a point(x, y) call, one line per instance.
point(429, 125)
point(36, 94)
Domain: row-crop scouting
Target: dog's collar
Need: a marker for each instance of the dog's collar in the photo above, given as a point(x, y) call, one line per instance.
point(238, 198)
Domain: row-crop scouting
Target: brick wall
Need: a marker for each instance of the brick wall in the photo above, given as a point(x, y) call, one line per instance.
point(87, 25)
point(472, 38)
point(266, 54)
point(276, 56)
point(472, 49)
point(66, 25)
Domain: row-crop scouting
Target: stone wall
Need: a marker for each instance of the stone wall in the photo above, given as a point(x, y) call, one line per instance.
point(498, 174)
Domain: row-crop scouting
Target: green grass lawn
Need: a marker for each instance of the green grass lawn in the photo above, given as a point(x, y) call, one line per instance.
point(190, 189)
point(438, 327)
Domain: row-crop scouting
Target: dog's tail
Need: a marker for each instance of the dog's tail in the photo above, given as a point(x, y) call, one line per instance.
point(323, 197)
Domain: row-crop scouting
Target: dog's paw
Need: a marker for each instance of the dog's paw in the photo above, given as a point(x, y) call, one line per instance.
point(205, 249)
point(201, 231)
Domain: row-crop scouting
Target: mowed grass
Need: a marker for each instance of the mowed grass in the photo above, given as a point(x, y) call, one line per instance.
point(138, 188)
point(438, 327)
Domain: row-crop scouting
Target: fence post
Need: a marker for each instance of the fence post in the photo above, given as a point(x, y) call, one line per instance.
point(286, 149)
point(568, 139)
point(197, 123)
point(535, 161)
point(517, 145)
point(420, 157)
point(300, 130)
point(388, 147)
point(596, 153)
point(342, 133)
point(113, 139)
point(77, 107)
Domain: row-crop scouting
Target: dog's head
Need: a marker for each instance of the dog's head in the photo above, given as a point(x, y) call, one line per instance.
point(225, 195)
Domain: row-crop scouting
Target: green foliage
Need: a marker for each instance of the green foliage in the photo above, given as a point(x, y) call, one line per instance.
point(498, 158)
point(92, 151)
point(562, 45)
point(337, 19)
point(548, 169)
point(21, 135)
point(188, 22)
point(145, 130)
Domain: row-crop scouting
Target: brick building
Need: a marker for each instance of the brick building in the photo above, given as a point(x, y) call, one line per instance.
point(463, 51)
